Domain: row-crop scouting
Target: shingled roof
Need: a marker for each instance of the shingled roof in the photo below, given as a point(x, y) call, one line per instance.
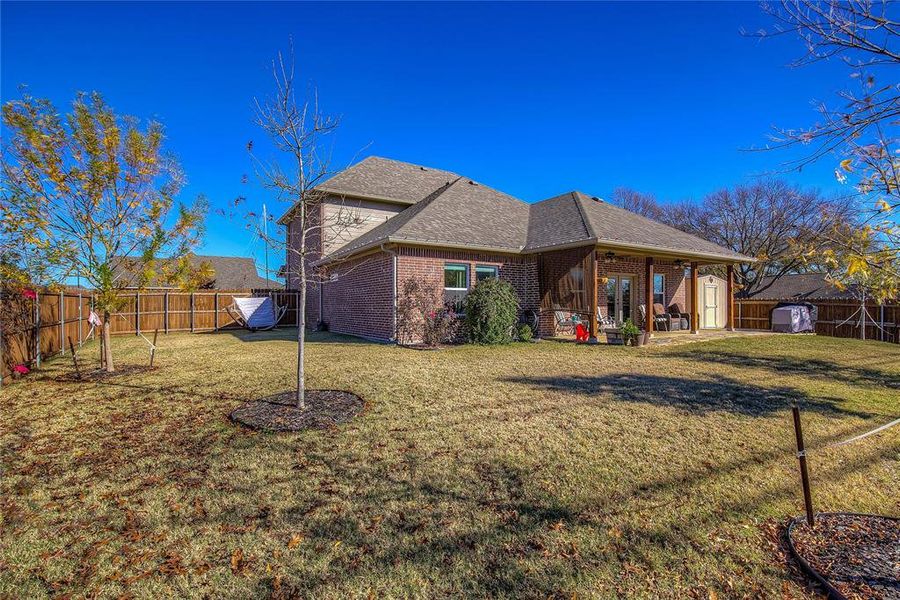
point(229, 273)
point(801, 286)
point(453, 211)
point(555, 223)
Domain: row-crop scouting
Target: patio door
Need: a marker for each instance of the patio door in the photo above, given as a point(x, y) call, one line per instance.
point(618, 297)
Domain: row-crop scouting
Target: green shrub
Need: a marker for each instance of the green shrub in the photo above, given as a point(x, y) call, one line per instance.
point(629, 330)
point(491, 312)
point(524, 332)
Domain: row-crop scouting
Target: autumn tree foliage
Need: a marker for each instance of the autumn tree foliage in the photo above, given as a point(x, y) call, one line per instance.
point(857, 131)
point(83, 190)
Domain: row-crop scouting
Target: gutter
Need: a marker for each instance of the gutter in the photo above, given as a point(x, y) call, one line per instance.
point(394, 292)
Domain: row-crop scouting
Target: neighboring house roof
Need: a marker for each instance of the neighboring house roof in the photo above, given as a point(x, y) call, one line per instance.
point(452, 211)
point(801, 286)
point(229, 273)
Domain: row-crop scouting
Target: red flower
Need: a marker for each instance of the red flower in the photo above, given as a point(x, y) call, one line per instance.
point(21, 369)
point(30, 294)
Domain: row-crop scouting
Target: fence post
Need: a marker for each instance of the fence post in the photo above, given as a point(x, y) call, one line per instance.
point(80, 319)
point(216, 314)
point(137, 313)
point(192, 312)
point(62, 324)
point(166, 312)
point(37, 330)
point(804, 474)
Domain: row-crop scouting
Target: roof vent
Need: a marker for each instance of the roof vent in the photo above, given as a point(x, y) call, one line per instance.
point(596, 199)
point(422, 169)
point(472, 182)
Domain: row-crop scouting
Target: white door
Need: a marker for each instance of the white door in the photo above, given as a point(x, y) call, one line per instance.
point(710, 305)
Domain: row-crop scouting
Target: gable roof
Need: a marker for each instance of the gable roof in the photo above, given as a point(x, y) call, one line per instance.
point(461, 213)
point(229, 273)
point(452, 211)
point(384, 179)
point(574, 216)
point(801, 286)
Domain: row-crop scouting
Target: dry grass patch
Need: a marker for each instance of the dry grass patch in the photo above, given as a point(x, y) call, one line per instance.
point(523, 471)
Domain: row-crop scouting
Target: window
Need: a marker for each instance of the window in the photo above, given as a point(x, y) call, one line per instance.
point(456, 285)
point(456, 277)
point(659, 289)
point(483, 272)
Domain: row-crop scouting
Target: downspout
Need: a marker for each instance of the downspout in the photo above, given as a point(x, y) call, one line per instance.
point(394, 293)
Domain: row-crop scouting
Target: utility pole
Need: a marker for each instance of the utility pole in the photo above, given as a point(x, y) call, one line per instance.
point(266, 242)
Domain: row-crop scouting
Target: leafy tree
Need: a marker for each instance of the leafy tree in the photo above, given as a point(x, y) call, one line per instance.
point(858, 131)
point(82, 190)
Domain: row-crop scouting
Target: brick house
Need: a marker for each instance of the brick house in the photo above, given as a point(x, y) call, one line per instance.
point(571, 252)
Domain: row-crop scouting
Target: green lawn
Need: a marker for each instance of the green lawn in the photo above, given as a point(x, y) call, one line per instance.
point(533, 470)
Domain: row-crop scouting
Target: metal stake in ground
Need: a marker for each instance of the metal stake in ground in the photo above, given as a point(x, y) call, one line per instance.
point(153, 346)
point(74, 358)
point(804, 474)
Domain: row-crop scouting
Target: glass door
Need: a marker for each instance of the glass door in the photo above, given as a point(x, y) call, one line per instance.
point(618, 297)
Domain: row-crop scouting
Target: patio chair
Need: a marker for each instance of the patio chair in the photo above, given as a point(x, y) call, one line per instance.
point(677, 313)
point(566, 321)
point(664, 320)
point(661, 321)
point(256, 314)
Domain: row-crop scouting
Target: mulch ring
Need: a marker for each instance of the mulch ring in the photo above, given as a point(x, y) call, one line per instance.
point(324, 409)
point(851, 555)
point(98, 374)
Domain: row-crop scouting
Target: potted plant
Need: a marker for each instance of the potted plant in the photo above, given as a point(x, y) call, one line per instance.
point(630, 332)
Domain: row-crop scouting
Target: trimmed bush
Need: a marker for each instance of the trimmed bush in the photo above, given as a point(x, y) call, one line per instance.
point(491, 312)
point(524, 332)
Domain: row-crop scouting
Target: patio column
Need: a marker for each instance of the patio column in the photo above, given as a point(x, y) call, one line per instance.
point(648, 296)
point(695, 303)
point(729, 297)
point(593, 325)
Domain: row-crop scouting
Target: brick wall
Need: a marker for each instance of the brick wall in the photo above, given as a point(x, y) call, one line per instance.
point(359, 300)
point(427, 265)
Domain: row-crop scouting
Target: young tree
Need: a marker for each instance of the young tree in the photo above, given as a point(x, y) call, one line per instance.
point(859, 131)
point(299, 130)
point(81, 191)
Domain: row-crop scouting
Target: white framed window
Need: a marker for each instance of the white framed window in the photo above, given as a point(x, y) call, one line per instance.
point(659, 289)
point(456, 277)
point(483, 272)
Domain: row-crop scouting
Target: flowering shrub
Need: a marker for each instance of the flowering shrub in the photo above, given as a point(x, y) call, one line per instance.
point(422, 316)
point(440, 326)
point(21, 369)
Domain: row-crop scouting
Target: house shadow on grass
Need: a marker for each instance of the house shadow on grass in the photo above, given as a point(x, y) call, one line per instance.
point(687, 394)
point(807, 367)
point(289, 334)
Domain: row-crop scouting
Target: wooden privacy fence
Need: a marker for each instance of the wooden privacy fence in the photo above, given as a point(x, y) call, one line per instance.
point(32, 330)
point(836, 318)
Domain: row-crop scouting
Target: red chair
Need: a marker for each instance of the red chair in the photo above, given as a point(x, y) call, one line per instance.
point(581, 333)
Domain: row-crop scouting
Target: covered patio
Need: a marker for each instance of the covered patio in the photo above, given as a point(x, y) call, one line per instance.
point(603, 285)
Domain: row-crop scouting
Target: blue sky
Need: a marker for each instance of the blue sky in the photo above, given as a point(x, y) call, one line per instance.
point(533, 99)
